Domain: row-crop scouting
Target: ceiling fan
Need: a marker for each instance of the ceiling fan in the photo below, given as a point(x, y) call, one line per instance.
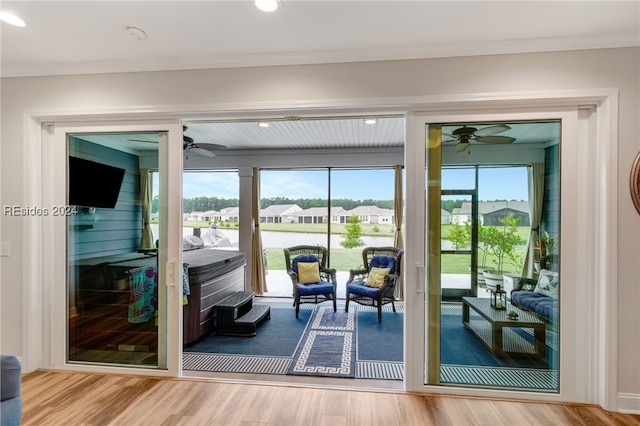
point(189, 146)
point(465, 134)
point(203, 149)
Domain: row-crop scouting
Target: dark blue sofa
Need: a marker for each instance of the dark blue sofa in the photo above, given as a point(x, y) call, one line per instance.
point(10, 382)
point(544, 307)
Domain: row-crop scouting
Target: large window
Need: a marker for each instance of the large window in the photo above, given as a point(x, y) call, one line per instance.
point(344, 210)
point(210, 207)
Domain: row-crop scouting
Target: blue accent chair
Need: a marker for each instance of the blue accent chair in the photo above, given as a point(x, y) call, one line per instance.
point(11, 401)
point(357, 291)
point(319, 292)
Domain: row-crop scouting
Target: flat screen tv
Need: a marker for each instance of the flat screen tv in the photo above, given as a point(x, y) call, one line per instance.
point(93, 184)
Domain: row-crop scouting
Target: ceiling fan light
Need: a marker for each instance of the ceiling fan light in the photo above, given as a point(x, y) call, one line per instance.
point(267, 5)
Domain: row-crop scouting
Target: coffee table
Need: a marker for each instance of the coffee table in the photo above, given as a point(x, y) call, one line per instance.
point(494, 329)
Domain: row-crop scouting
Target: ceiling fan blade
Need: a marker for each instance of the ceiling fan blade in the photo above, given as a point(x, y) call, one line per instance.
point(496, 139)
point(492, 130)
point(212, 146)
point(199, 151)
point(461, 146)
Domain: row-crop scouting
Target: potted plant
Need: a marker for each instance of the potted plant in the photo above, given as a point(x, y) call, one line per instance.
point(548, 256)
point(501, 243)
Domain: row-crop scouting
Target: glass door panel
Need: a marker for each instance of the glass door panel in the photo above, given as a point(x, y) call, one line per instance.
point(293, 211)
point(116, 303)
point(471, 341)
point(362, 216)
point(459, 252)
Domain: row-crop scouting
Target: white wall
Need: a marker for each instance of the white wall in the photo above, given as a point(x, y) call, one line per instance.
point(339, 84)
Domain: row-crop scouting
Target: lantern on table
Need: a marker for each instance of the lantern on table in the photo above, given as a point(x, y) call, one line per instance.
point(499, 299)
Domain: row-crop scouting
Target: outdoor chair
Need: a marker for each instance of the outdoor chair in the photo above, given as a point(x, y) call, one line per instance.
point(374, 285)
point(312, 281)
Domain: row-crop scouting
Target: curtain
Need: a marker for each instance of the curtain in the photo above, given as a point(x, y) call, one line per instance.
point(536, 194)
point(398, 215)
point(146, 241)
point(258, 276)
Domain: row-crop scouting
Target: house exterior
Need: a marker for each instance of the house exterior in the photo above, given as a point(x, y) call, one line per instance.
point(208, 216)
point(279, 213)
point(492, 212)
point(445, 217)
point(317, 215)
point(369, 214)
point(230, 214)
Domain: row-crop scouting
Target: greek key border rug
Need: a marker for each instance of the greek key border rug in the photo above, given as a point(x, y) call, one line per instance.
point(327, 346)
point(229, 362)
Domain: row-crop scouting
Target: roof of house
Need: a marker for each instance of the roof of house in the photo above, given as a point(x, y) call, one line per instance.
point(230, 211)
point(369, 211)
point(318, 211)
point(278, 209)
point(486, 207)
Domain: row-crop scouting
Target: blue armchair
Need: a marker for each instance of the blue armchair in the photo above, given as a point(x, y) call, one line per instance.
point(312, 281)
point(11, 400)
point(375, 287)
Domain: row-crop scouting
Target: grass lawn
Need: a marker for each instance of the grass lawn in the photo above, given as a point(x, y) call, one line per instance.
point(344, 259)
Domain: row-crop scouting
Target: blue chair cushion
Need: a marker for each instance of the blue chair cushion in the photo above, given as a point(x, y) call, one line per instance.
point(309, 258)
point(383, 261)
point(361, 289)
point(317, 288)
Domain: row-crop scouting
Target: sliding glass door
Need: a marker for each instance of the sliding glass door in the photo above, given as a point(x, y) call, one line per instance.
point(492, 220)
point(121, 301)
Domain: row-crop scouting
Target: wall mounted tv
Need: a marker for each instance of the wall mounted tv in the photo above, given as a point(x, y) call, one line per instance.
point(93, 184)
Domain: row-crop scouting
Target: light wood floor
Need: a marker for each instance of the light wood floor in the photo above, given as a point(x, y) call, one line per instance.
point(64, 398)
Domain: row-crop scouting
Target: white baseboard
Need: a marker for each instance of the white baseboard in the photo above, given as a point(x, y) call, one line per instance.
point(629, 403)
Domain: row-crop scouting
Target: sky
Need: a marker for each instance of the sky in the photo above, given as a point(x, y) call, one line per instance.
point(508, 183)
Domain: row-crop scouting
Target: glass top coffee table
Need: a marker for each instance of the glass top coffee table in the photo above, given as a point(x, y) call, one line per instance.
point(495, 331)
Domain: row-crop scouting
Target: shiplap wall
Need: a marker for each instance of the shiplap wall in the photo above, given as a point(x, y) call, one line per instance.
point(113, 231)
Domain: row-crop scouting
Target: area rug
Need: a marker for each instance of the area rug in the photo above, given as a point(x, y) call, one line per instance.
point(284, 342)
point(316, 344)
point(328, 345)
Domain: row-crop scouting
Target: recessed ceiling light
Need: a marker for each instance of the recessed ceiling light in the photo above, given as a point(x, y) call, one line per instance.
point(370, 120)
point(12, 19)
point(266, 5)
point(263, 124)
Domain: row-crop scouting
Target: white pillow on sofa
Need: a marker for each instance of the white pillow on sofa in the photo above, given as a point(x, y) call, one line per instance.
point(548, 284)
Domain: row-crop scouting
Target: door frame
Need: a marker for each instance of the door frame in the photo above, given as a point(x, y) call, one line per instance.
point(584, 349)
point(601, 128)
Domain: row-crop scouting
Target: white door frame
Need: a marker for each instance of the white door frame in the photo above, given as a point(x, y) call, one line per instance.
point(585, 373)
point(49, 245)
point(603, 218)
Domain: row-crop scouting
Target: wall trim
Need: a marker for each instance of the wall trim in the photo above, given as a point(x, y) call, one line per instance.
point(629, 403)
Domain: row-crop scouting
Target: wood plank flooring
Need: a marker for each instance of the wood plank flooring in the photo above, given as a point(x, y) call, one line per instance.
point(67, 398)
